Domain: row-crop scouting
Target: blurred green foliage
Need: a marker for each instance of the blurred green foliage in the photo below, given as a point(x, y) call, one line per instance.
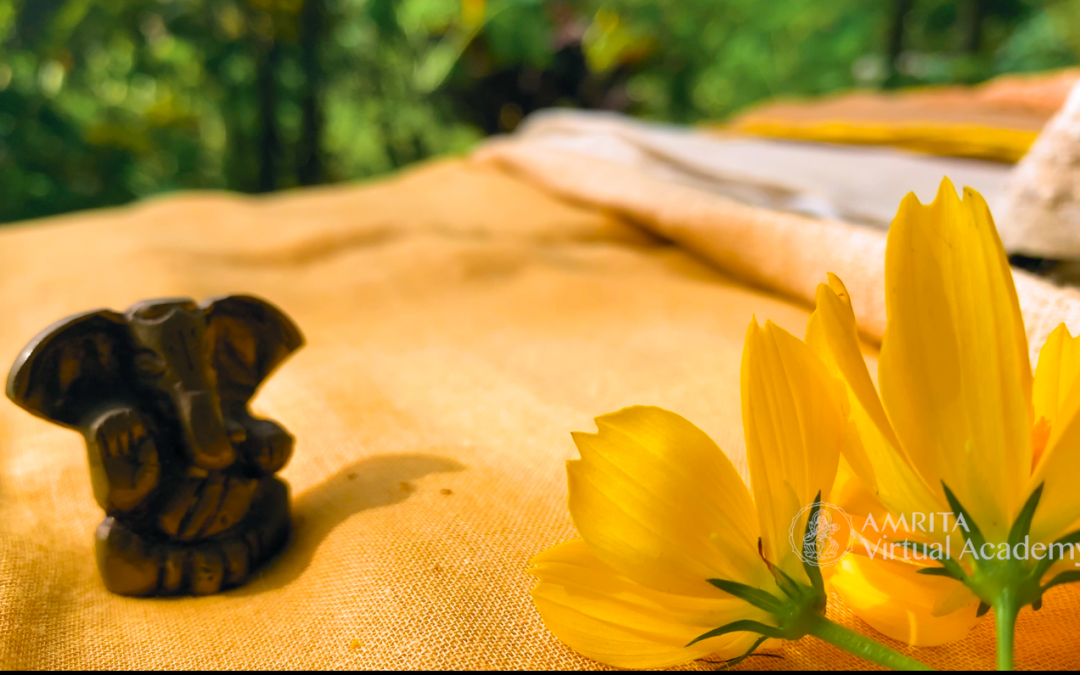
point(106, 101)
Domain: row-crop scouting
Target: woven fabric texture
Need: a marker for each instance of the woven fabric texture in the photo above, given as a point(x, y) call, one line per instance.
point(461, 319)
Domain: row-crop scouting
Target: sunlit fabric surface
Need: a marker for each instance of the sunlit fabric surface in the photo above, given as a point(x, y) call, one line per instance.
point(461, 320)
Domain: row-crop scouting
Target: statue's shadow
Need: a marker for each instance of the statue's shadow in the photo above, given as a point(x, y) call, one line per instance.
point(367, 484)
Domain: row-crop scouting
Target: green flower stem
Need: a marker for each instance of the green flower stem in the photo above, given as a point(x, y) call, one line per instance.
point(860, 645)
point(1005, 610)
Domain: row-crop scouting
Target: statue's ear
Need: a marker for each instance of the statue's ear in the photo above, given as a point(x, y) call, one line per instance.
point(248, 338)
point(72, 367)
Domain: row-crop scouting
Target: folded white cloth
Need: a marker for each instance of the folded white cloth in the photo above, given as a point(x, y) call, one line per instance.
point(853, 183)
point(1040, 212)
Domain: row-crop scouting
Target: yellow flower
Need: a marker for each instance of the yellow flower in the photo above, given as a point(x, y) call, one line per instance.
point(961, 429)
point(661, 511)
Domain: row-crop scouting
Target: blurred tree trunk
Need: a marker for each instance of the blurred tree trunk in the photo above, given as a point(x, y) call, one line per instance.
point(974, 12)
point(32, 21)
point(266, 91)
point(679, 91)
point(312, 34)
point(894, 44)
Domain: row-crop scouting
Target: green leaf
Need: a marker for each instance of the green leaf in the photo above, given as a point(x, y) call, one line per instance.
point(436, 66)
point(949, 567)
point(1022, 527)
point(937, 572)
point(974, 535)
point(789, 586)
point(1045, 563)
point(813, 571)
point(1063, 578)
point(984, 607)
point(907, 543)
point(955, 570)
point(731, 663)
point(744, 626)
point(786, 584)
point(755, 596)
point(440, 60)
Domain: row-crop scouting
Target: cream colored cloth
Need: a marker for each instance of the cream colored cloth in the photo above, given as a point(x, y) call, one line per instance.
point(782, 252)
point(857, 184)
point(461, 319)
point(1041, 204)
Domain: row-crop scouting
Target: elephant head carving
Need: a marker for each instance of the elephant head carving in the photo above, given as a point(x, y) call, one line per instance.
point(182, 469)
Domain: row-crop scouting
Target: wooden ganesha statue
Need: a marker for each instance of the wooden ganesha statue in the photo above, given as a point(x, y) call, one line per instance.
point(184, 472)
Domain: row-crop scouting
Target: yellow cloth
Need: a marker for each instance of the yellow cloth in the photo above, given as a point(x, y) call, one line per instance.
point(977, 141)
point(998, 120)
point(460, 322)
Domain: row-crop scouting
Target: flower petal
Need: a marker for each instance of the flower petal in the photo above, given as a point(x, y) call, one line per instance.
point(881, 590)
point(1057, 372)
point(877, 458)
point(610, 618)
point(1056, 403)
point(954, 371)
point(793, 418)
point(647, 495)
point(895, 600)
